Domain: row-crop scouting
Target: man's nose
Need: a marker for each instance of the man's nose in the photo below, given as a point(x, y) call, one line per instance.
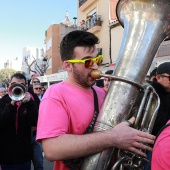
point(95, 66)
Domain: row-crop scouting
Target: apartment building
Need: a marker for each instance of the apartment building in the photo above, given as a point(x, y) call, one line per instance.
point(99, 17)
point(31, 57)
point(13, 64)
point(110, 32)
point(53, 36)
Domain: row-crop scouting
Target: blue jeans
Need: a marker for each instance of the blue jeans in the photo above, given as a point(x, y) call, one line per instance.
point(37, 159)
point(19, 166)
point(147, 166)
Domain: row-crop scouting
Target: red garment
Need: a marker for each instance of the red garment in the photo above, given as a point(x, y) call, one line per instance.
point(16, 122)
point(161, 151)
point(104, 89)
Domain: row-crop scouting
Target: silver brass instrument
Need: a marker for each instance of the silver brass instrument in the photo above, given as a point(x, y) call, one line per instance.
point(146, 24)
point(17, 92)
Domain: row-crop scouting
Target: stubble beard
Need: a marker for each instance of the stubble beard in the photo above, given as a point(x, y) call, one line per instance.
point(81, 79)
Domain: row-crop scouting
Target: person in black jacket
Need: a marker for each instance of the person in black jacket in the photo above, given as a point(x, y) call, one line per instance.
point(16, 121)
point(161, 84)
point(37, 158)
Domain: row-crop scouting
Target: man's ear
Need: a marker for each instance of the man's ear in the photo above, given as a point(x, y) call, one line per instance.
point(67, 66)
point(158, 77)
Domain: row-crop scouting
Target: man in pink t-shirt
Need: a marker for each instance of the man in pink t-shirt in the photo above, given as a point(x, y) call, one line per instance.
point(161, 151)
point(67, 109)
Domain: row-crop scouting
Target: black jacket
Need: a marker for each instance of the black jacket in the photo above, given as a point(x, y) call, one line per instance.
point(36, 99)
point(15, 145)
point(164, 110)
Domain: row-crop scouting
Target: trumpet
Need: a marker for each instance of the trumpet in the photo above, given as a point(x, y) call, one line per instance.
point(17, 92)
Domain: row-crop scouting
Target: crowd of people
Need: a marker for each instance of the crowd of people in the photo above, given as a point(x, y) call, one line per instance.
point(67, 109)
point(59, 120)
point(18, 123)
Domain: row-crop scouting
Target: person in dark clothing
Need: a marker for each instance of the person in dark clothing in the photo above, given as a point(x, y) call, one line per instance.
point(106, 81)
point(16, 121)
point(152, 74)
point(163, 114)
point(37, 158)
point(161, 84)
point(30, 89)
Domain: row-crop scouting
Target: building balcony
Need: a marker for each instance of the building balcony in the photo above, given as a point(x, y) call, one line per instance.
point(94, 29)
point(92, 24)
point(84, 4)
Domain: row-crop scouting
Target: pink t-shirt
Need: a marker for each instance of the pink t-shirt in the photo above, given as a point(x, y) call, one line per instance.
point(66, 109)
point(161, 151)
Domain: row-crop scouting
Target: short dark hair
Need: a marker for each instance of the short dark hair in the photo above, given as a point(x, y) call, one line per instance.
point(75, 39)
point(18, 76)
point(109, 72)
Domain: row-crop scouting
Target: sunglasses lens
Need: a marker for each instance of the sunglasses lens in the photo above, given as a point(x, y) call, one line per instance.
point(99, 60)
point(89, 63)
point(38, 88)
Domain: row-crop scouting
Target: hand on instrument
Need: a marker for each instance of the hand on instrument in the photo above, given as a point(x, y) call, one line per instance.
point(13, 102)
point(128, 138)
point(26, 98)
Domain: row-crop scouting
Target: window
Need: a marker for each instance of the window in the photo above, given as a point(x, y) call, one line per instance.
point(48, 44)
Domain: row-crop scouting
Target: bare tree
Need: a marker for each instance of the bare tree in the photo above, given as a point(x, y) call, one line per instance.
point(39, 68)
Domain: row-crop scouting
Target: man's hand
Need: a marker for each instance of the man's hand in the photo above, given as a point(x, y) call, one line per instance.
point(13, 102)
point(128, 138)
point(26, 98)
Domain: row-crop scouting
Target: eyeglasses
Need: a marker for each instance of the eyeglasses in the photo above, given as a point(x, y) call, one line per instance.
point(37, 88)
point(165, 76)
point(35, 81)
point(89, 62)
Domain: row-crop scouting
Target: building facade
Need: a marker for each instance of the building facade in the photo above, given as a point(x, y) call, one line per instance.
point(15, 64)
point(53, 36)
point(93, 16)
point(32, 59)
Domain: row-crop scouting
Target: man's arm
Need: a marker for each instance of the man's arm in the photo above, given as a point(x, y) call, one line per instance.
point(7, 112)
point(69, 146)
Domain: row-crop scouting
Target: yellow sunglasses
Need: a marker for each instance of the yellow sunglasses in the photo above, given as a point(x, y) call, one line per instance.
point(88, 63)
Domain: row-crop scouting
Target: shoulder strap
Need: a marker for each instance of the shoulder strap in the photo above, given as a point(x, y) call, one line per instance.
point(96, 112)
point(165, 126)
point(96, 105)
point(75, 164)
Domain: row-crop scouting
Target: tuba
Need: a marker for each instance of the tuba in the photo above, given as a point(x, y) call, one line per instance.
point(146, 24)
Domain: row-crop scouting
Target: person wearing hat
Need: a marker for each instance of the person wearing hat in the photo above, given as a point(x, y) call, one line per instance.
point(161, 84)
point(152, 74)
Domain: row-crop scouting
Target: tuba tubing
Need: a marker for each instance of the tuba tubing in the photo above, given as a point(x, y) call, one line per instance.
point(146, 24)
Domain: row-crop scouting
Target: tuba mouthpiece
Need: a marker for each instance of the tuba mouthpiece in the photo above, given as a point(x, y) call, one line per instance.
point(96, 74)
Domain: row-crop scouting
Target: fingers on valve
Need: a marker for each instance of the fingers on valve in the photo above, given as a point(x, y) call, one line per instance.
point(129, 123)
point(137, 151)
